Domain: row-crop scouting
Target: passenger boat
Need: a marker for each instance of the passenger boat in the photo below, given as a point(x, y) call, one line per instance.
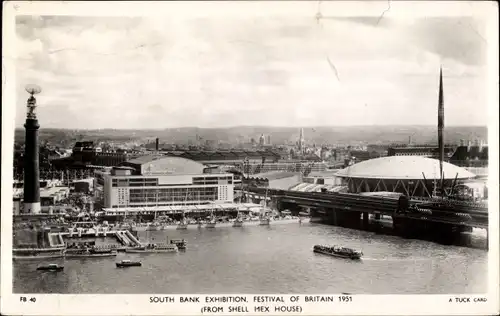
point(51, 267)
point(336, 251)
point(154, 248)
point(128, 263)
point(180, 243)
point(90, 253)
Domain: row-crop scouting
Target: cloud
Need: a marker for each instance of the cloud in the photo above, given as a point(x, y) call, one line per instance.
point(119, 72)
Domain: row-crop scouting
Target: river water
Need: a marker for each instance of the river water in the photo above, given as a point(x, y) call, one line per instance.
point(274, 259)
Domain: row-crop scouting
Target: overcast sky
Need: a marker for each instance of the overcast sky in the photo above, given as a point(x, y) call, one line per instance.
point(116, 72)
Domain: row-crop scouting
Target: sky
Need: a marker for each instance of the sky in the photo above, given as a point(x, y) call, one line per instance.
point(150, 72)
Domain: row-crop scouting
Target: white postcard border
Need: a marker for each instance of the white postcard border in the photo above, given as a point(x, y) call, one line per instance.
point(80, 304)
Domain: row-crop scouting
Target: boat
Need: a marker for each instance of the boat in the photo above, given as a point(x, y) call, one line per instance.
point(183, 223)
point(90, 253)
point(51, 267)
point(128, 263)
point(337, 251)
point(212, 222)
point(264, 218)
point(182, 226)
point(154, 248)
point(238, 222)
point(180, 243)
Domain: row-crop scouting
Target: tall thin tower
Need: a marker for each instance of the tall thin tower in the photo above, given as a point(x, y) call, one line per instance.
point(31, 155)
point(441, 126)
point(301, 141)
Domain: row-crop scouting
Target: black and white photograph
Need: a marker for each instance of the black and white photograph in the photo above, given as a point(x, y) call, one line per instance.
point(188, 152)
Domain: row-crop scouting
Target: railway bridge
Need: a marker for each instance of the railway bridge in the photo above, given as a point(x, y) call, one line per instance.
point(410, 217)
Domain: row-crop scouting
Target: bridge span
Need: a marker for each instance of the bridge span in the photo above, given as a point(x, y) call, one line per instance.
point(410, 217)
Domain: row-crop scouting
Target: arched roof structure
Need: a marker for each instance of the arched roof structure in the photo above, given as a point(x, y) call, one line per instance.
point(165, 165)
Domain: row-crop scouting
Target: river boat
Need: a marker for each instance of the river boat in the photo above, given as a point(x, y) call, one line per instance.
point(180, 243)
point(154, 248)
point(264, 219)
point(238, 222)
point(337, 251)
point(182, 226)
point(152, 228)
point(128, 263)
point(90, 253)
point(212, 222)
point(51, 267)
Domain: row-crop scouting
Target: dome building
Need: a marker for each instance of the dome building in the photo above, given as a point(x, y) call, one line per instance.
point(411, 175)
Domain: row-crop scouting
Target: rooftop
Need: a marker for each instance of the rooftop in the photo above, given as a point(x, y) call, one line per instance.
point(403, 167)
point(165, 165)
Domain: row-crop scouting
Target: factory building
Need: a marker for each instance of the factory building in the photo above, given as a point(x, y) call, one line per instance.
point(160, 181)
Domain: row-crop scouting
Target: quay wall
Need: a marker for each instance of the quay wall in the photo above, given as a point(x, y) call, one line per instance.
point(30, 238)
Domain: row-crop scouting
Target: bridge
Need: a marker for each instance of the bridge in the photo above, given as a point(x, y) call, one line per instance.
point(410, 216)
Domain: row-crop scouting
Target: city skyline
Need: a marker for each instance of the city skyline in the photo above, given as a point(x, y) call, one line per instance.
point(214, 72)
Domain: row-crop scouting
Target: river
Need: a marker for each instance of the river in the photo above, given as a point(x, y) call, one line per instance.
point(274, 259)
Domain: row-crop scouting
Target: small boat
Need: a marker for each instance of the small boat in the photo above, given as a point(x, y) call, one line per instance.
point(211, 224)
point(238, 222)
point(128, 263)
point(182, 225)
point(336, 251)
point(180, 243)
point(265, 220)
point(51, 267)
point(154, 248)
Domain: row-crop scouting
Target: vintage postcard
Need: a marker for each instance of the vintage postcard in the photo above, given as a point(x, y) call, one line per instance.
point(250, 158)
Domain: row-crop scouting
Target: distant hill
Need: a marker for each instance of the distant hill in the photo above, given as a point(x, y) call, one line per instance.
point(279, 135)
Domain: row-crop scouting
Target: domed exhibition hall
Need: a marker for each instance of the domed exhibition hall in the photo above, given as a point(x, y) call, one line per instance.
point(410, 175)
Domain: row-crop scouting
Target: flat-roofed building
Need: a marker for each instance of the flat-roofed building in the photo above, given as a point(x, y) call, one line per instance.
point(155, 181)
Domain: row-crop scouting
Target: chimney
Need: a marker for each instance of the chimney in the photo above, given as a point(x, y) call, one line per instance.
point(157, 145)
point(462, 143)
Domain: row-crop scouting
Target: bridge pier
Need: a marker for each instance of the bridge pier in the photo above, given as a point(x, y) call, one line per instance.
point(365, 219)
point(440, 232)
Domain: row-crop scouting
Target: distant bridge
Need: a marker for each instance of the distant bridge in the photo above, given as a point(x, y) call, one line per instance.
point(326, 204)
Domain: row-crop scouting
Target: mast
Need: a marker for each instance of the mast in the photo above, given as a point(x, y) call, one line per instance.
point(441, 127)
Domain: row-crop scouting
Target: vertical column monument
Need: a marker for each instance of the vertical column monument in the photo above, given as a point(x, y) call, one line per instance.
point(31, 155)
